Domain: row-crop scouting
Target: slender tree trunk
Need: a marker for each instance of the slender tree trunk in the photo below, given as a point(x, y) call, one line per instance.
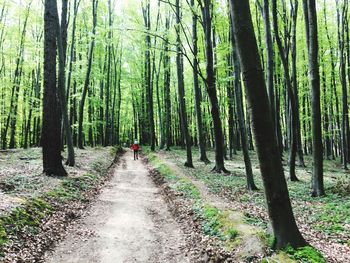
point(299, 149)
point(314, 79)
point(148, 76)
point(197, 92)
point(181, 89)
point(51, 127)
point(341, 41)
point(284, 227)
point(211, 89)
point(270, 65)
point(87, 77)
point(61, 36)
point(240, 113)
point(291, 97)
point(167, 100)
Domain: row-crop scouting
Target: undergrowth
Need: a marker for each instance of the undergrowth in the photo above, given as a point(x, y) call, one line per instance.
point(329, 214)
point(305, 254)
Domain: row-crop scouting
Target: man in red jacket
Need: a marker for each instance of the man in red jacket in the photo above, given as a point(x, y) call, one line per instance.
point(135, 147)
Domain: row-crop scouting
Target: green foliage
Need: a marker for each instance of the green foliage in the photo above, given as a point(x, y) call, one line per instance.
point(217, 223)
point(186, 187)
point(232, 234)
point(305, 255)
point(211, 223)
point(333, 217)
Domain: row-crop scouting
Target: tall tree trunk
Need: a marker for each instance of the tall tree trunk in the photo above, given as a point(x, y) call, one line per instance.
point(284, 227)
point(197, 92)
point(61, 36)
point(270, 65)
point(148, 77)
point(87, 76)
point(51, 129)
point(240, 113)
point(299, 149)
point(181, 89)
point(11, 120)
point(291, 105)
point(211, 89)
point(341, 42)
point(314, 79)
point(167, 99)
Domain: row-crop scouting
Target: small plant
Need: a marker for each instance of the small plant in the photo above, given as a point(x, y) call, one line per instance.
point(232, 234)
point(305, 254)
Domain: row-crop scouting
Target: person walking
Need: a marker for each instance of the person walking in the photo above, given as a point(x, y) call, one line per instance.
point(135, 147)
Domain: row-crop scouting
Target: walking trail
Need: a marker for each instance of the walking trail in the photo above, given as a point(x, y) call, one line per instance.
point(128, 223)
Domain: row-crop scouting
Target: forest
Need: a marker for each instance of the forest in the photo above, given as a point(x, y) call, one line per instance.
point(239, 110)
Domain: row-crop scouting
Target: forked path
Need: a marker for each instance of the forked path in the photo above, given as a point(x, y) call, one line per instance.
point(129, 223)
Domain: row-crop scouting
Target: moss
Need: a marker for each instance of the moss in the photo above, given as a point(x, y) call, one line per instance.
point(305, 254)
point(26, 217)
point(72, 188)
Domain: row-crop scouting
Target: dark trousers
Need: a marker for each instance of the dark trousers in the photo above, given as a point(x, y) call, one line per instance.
point(136, 154)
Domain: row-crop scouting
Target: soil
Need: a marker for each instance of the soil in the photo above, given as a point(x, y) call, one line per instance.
point(129, 222)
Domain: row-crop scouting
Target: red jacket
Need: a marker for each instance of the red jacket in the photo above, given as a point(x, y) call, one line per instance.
point(135, 147)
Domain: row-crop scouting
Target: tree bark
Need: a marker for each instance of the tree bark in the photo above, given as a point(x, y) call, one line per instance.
point(283, 223)
point(197, 92)
point(211, 89)
point(87, 77)
point(61, 37)
point(314, 79)
point(51, 129)
point(181, 89)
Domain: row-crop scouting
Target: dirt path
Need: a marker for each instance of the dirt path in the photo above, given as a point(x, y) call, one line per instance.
point(251, 243)
point(128, 223)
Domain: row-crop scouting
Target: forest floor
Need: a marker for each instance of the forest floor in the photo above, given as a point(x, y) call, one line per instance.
point(324, 222)
point(21, 174)
point(157, 210)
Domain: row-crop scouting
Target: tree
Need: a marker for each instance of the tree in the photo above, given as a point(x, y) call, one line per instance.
point(211, 89)
point(291, 96)
point(51, 129)
point(181, 89)
point(314, 79)
point(87, 76)
point(197, 92)
point(61, 36)
point(283, 224)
